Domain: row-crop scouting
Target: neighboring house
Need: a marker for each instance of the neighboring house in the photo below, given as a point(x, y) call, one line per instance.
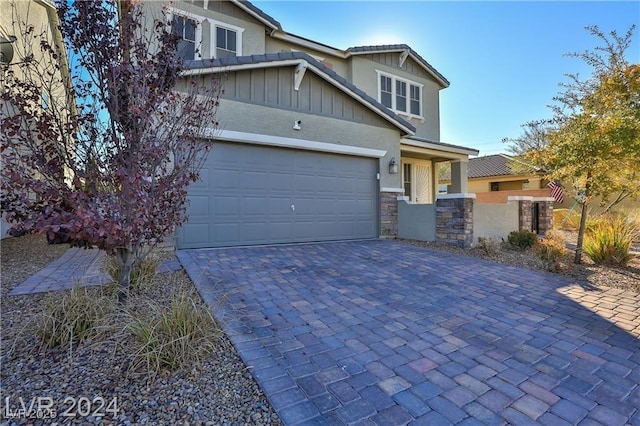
point(42, 16)
point(495, 177)
point(316, 143)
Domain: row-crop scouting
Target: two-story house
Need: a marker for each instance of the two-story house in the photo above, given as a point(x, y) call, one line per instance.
point(23, 25)
point(315, 143)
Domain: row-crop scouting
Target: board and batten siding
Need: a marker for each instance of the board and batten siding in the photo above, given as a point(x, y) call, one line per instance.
point(274, 87)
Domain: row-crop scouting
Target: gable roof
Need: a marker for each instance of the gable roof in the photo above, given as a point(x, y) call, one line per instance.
point(364, 50)
point(258, 14)
point(499, 165)
point(299, 58)
point(277, 31)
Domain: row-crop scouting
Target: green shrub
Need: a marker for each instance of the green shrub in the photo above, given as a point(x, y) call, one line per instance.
point(175, 336)
point(609, 241)
point(522, 239)
point(75, 317)
point(551, 250)
point(489, 246)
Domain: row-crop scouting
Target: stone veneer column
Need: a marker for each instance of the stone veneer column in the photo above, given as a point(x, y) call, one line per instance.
point(454, 219)
point(389, 214)
point(525, 212)
point(545, 214)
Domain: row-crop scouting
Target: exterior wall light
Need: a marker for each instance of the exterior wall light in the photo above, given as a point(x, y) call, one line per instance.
point(393, 166)
point(6, 49)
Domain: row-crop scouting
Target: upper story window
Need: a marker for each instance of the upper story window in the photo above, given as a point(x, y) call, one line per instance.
point(227, 40)
point(188, 27)
point(401, 95)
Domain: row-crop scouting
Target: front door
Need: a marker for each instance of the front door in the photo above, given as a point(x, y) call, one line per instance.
point(417, 179)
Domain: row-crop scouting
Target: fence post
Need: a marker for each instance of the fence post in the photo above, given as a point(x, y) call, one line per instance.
point(454, 219)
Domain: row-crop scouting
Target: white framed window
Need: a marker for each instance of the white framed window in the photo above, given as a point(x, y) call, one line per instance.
point(189, 28)
point(226, 40)
point(400, 95)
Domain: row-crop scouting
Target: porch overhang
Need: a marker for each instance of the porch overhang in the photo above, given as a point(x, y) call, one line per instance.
point(435, 151)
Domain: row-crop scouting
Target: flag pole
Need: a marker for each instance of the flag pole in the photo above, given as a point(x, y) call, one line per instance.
point(575, 203)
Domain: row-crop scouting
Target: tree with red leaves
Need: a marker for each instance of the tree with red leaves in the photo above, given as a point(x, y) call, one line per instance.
point(110, 166)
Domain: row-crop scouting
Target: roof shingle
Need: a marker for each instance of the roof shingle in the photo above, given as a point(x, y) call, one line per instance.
point(498, 165)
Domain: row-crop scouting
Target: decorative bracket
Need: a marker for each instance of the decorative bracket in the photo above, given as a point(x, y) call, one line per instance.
point(299, 74)
point(403, 56)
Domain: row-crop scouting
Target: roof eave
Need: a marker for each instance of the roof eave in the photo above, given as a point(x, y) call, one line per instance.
point(439, 146)
point(252, 10)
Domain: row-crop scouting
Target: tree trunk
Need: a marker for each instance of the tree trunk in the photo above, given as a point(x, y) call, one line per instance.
point(124, 257)
point(583, 225)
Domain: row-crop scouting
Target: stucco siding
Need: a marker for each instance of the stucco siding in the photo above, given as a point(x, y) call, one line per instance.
point(363, 74)
point(253, 36)
point(260, 119)
point(494, 220)
point(339, 65)
point(417, 221)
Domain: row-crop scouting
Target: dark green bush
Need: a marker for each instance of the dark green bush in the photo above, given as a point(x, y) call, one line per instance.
point(522, 239)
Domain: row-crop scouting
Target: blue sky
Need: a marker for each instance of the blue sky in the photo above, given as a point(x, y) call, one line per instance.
point(504, 59)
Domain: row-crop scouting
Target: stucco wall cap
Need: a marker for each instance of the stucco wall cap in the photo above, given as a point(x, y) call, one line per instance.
point(519, 198)
point(455, 196)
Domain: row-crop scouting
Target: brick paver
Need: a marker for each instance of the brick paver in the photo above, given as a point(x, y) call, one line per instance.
point(381, 332)
point(76, 267)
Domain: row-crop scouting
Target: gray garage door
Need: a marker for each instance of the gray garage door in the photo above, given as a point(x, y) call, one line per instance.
point(252, 194)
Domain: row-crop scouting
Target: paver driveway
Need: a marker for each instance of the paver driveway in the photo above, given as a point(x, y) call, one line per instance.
point(387, 333)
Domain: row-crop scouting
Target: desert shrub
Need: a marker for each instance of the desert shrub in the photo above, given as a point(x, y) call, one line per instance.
point(566, 219)
point(551, 250)
point(609, 241)
point(489, 246)
point(522, 239)
point(142, 273)
point(174, 336)
point(76, 316)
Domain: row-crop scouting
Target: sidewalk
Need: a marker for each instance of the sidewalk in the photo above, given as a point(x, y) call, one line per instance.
point(77, 266)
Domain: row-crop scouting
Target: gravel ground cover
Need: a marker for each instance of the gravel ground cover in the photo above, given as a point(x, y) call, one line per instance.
point(218, 391)
point(586, 274)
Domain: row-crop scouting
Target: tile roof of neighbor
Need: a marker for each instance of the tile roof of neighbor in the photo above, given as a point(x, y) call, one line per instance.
point(498, 165)
point(284, 56)
point(396, 47)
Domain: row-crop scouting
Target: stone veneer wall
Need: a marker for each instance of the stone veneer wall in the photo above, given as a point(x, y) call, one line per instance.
point(454, 219)
point(525, 213)
point(545, 214)
point(388, 214)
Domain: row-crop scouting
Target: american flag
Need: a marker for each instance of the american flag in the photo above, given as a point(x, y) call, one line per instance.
point(556, 191)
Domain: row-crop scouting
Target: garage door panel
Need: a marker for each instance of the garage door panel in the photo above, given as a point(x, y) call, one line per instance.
point(226, 233)
point(197, 234)
point(281, 182)
point(255, 232)
point(198, 205)
point(278, 207)
point(248, 191)
point(254, 206)
point(225, 205)
point(203, 183)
